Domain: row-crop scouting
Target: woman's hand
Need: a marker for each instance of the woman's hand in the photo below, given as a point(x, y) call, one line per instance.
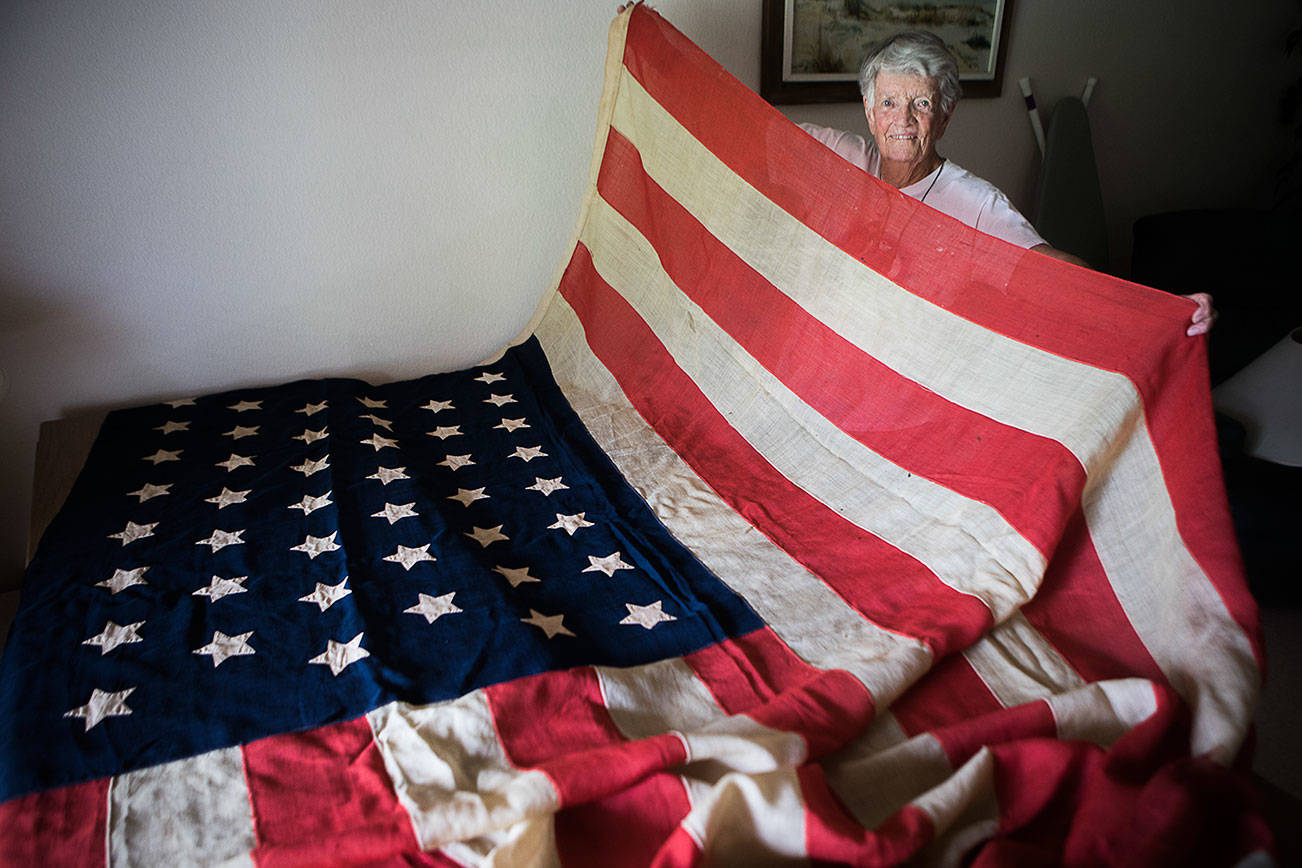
point(1203, 317)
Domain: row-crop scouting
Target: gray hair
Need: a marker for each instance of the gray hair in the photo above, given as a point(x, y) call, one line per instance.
point(914, 52)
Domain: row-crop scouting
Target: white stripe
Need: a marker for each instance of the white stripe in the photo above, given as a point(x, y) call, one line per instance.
point(749, 819)
point(874, 782)
point(882, 771)
point(807, 615)
point(644, 701)
point(527, 844)
point(963, 809)
point(193, 811)
point(1104, 711)
point(1019, 665)
point(1162, 589)
point(452, 776)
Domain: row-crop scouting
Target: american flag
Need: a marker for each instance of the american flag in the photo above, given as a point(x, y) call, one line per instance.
point(803, 523)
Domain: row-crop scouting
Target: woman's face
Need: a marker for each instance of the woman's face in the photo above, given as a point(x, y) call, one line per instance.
point(905, 118)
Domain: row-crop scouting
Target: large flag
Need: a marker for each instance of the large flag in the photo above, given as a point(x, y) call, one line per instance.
point(803, 523)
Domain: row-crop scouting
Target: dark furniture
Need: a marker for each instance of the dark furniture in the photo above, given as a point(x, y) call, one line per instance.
point(1247, 259)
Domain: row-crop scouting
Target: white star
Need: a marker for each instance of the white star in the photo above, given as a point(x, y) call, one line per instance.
point(388, 474)
point(310, 436)
point(570, 523)
point(438, 406)
point(456, 462)
point(317, 545)
point(512, 424)
point(443, 432)
point(123, 579)
point(546, 486)
point(180, 402)
point(227, 497)
point(236, 461)
point(102, 704)
point(326, 596)
point(170, 427)
point(340, 655)
point(148, 490)
point(499, 400)
point(371, 403)
point(222, 538)
point(310, 504)
point(409, 556)
point(485, 536)
point(311, 409)
point(395, 512)
point(646, 616)
point(219, 587)
point(516, 577)
point(608, 565)
point(433, 608)
point(468, 496)
point(241, 431)
point(527, 453)
point(163, 455)
point(487, 378)
point(378, 422)
point(310, 466)
point(549, 624)
point(244, 406)
point(379, 442)
point(222, 646)
point(114, 635)
point(134, 531)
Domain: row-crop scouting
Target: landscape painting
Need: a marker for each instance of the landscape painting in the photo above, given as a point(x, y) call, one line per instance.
point(822, 42)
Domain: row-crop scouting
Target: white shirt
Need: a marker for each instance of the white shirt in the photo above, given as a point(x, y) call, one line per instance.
point(949, 188)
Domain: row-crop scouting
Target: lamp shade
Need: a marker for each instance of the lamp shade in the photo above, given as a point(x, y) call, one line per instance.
point(1266, 396)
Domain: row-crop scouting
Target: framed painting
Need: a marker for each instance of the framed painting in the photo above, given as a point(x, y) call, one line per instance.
point(812, 48)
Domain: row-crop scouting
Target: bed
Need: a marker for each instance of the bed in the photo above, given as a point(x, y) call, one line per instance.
point(801, 524)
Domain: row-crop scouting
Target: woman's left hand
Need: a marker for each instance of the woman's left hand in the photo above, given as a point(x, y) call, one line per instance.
point(1203, 317)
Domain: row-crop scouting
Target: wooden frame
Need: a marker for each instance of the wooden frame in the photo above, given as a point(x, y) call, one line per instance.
point(981, 67)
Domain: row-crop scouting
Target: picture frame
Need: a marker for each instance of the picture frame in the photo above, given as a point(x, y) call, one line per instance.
point(807, 45)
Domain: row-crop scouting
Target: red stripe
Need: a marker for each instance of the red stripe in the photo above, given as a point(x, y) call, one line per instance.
point(557, 722)
point(833, 837)
point(950, 693)
point(324, 797)
point(750, 670)
point(1077, 611)
point(886, 585)
point(1184, 430)
point(1134, 331)
point(1017, 473)
point(626, 828)
point(1030, 720)
point(758, 675)
point(56, 827)
point(1141, 802)
point(679, 850)
point(958, 709)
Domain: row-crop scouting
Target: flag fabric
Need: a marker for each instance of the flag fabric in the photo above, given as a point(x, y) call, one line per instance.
point(802, 524)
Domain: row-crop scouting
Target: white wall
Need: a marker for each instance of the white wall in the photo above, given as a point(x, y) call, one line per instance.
point(196, 196)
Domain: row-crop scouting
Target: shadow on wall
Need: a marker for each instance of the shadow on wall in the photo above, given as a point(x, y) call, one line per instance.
point(44, 345)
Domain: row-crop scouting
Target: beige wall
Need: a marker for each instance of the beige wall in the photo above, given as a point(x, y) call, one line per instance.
point(199, 196)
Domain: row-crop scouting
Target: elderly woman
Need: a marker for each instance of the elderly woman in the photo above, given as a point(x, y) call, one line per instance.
point(910, 87)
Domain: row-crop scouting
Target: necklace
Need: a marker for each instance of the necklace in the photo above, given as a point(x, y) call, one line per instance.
point(933, 181)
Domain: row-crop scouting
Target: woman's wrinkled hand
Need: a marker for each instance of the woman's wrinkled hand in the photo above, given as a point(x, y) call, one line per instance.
point(1203, 317)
